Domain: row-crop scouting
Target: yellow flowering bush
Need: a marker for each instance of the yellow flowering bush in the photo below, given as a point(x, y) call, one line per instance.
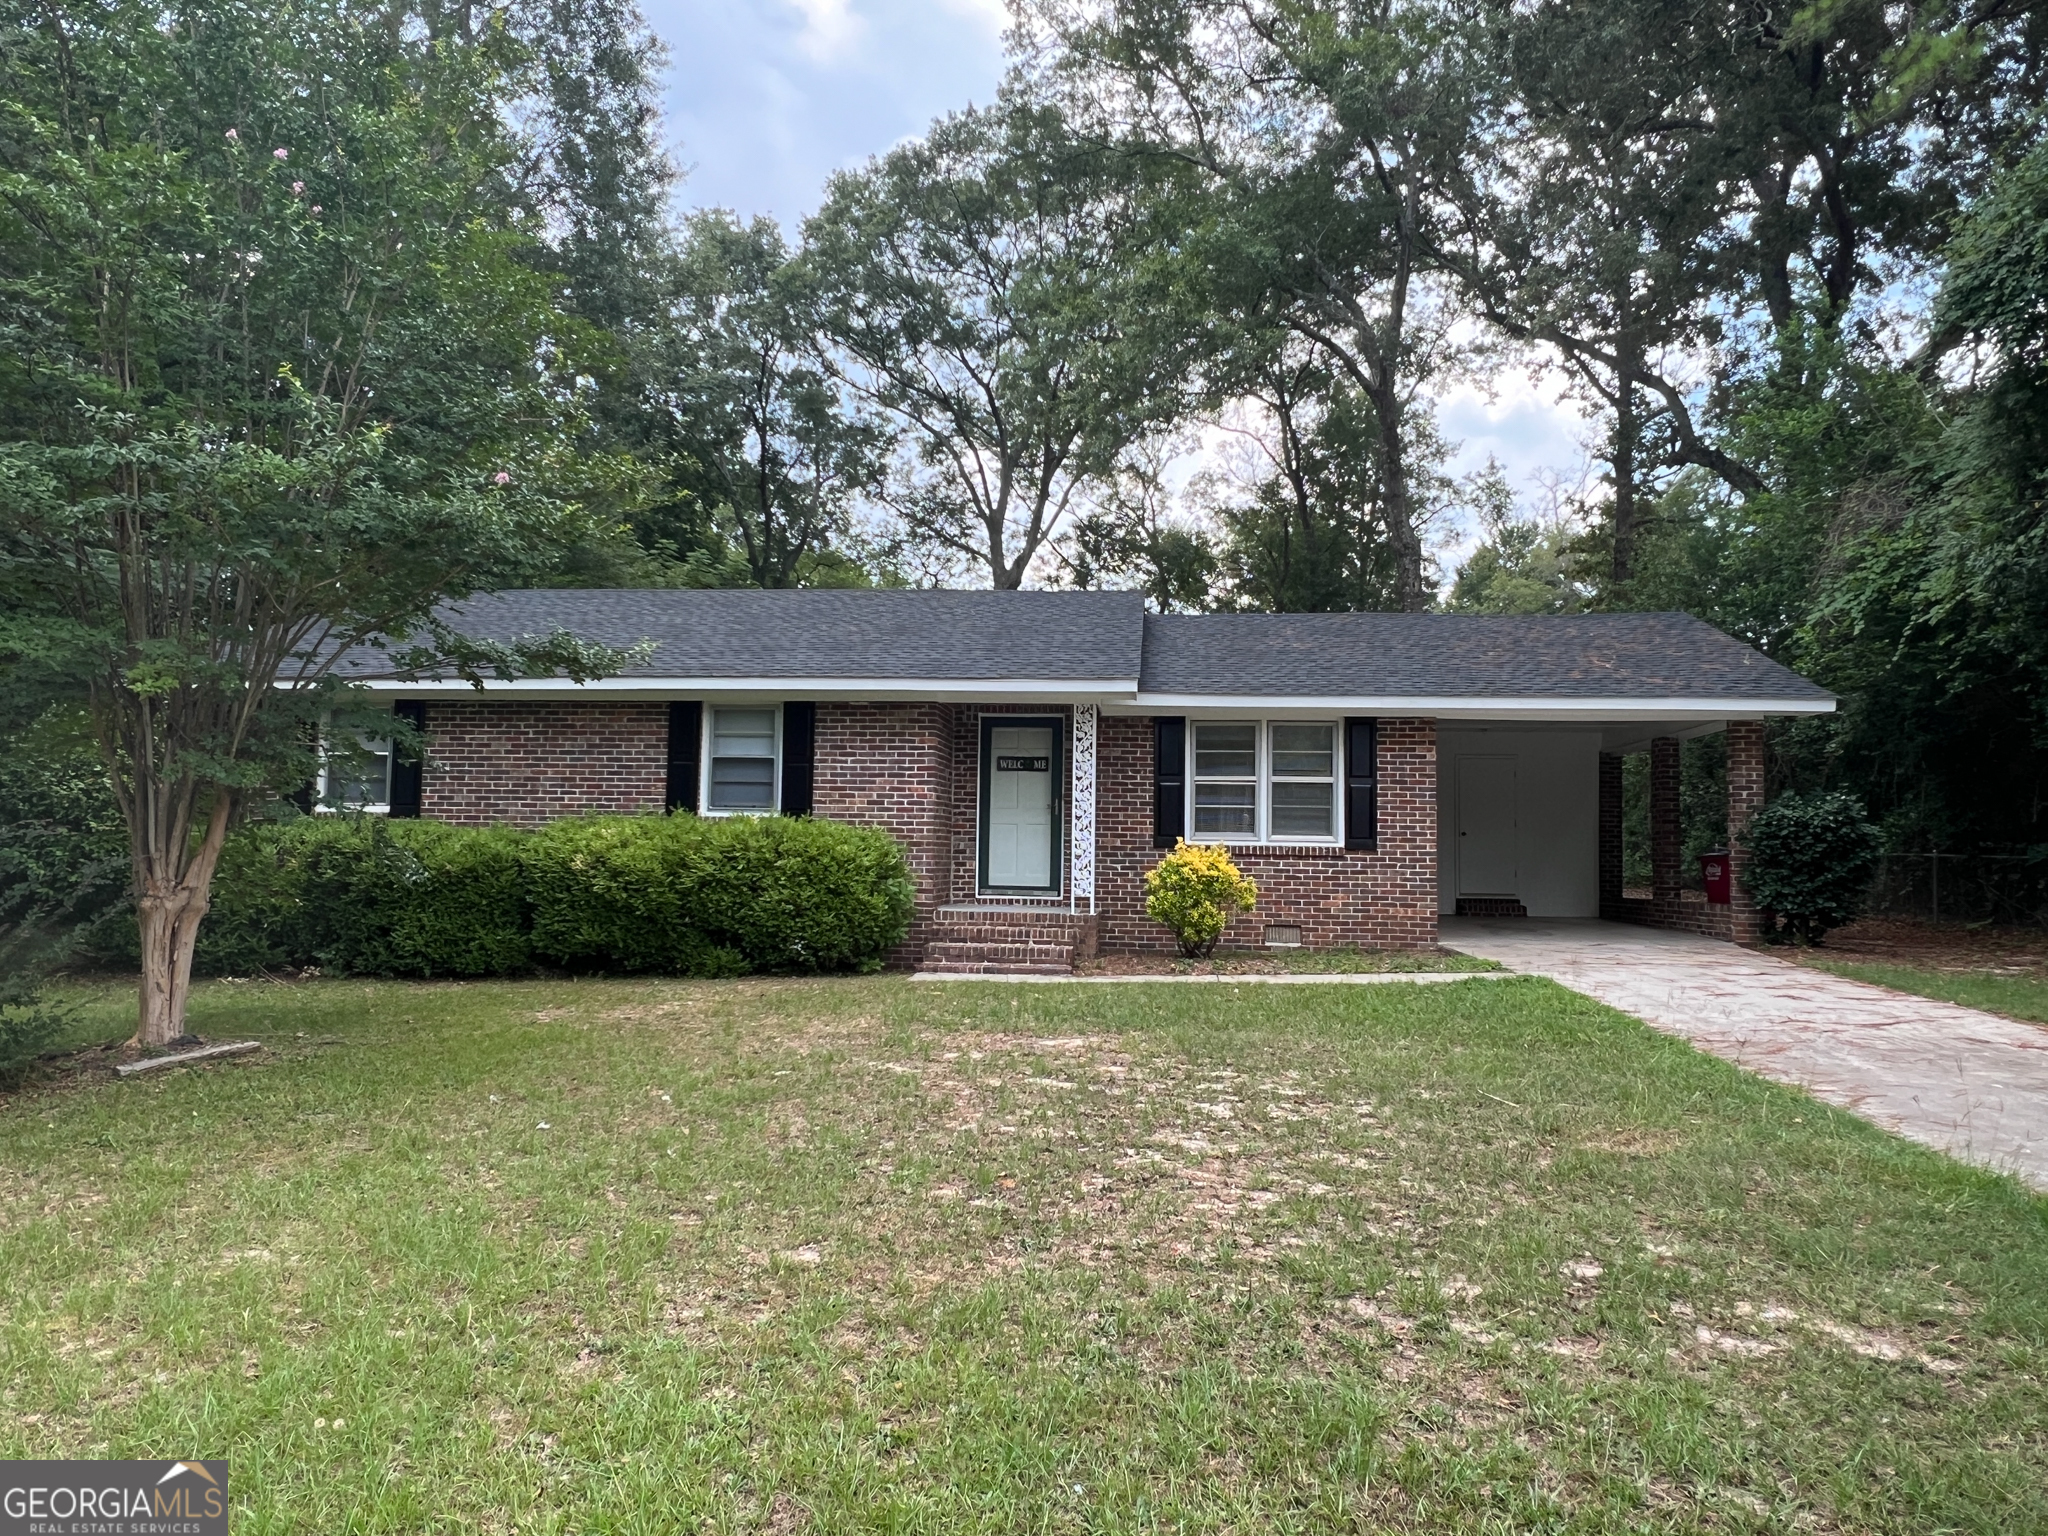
point(1195, 890)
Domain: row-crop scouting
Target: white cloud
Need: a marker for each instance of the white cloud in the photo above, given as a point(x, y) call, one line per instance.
point(832, 30)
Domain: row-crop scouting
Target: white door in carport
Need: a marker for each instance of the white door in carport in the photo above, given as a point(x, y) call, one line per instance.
point(1019, 808)
point(1487, 831)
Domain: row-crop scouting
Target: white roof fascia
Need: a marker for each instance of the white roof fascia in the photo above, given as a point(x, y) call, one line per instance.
point(881, 690)
point(1501, 708)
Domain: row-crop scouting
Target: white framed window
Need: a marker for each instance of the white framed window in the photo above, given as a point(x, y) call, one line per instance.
point(742, 760)
point(1263, 781)
point(361, 781)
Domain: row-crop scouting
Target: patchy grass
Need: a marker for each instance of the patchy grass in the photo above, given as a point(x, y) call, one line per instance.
point(2023, 995)
point(637, 1257)
point(1288, 962)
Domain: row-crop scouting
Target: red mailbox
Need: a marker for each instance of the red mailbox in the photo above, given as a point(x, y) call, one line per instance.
point(1715, 875)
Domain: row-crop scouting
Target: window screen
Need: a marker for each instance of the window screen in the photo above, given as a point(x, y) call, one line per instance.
point(742, 760)
point(363, 778)
point(1226, 779)
point(1304, 780)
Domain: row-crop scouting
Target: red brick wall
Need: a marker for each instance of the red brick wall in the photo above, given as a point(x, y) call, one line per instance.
point(528, 762)
point(1745, 799)
point(912, 771)
point(1384, 900)
point(891, 766)
point(1667, 826)
point(1611, 830)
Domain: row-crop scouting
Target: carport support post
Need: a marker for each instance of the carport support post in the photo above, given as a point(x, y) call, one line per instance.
point(1610, 834)
point(1745, 799)
point(1667, 837)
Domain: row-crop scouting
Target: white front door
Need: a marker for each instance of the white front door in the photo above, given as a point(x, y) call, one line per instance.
point(1486, 826)
point(1019, 813)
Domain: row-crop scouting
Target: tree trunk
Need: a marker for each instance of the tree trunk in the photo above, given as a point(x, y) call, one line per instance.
point(1398, 507)
point(168, 913)
point(1622, 459)
point(170, 927)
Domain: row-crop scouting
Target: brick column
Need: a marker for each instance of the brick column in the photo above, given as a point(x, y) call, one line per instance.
point(1667, 838)
point(1745, 798)
point(1610, 833)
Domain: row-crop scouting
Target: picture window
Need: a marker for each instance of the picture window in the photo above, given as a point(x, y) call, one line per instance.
point(1264, 781)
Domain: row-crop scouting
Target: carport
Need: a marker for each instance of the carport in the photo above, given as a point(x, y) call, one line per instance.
point(1530, 819)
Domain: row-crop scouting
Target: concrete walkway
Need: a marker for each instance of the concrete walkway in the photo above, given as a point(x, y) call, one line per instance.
point(1970, 1084)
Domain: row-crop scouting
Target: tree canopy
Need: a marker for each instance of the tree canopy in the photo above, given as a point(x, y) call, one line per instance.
point(319, 315)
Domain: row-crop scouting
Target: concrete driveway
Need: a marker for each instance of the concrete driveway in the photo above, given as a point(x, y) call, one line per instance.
point(1971, 1084)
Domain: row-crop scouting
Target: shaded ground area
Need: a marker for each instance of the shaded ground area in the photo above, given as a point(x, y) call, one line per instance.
point(870, 1256)
point(1935, 946)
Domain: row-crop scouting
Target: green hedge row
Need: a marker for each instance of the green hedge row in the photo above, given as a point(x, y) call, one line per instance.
point(366, 896)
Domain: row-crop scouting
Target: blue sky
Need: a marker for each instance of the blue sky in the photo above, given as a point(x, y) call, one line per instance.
point(766, 98)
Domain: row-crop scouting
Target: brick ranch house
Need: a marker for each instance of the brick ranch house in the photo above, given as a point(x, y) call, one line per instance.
point(1034, 752)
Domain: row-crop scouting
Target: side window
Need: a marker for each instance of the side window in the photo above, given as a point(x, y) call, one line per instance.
point(362, 780)
point(742, 776)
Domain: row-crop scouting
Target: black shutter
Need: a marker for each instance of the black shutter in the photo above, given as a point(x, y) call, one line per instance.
point(685, 736)
point(1169, 780)
point(1362, 784)
point(408, 766)
point(799, 753)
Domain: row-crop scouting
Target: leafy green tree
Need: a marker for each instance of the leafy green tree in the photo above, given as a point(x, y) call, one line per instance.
point(1597, 231)
point(1521, 564)
point(981, 286)
point(1934, 611)
point(1325, 139)
point(281, 377)
point(1303, 525)
point(1134, 536)
point(766, 437)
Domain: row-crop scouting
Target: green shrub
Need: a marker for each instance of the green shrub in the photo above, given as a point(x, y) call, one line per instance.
point(63, 847)
point(252, 918)
point(1195, 890)
point(672, 894)
point(414, 898)
point(363, 895)
point(29, 1022)
point(1811, 858)
point(613, 892)
point(716, 897)
point(797, 894)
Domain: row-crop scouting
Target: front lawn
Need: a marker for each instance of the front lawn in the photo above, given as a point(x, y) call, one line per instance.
point(873, 1255)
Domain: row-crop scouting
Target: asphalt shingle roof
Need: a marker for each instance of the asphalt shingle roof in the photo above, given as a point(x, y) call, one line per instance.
point(828, 633)
point(1436, 655)
point(1107, 637)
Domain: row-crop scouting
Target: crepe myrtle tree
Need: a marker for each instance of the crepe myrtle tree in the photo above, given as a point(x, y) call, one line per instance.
point(281, 381)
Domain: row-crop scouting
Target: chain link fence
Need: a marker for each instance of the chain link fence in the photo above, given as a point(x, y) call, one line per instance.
point(1964, 887)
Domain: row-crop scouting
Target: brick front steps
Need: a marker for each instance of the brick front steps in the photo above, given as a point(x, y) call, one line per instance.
point(988, 939)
